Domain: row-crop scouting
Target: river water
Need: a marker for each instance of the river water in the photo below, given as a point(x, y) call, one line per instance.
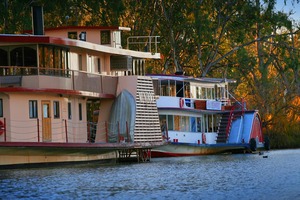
point(239, 176)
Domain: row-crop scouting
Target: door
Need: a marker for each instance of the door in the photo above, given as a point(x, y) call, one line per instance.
point(46, 121)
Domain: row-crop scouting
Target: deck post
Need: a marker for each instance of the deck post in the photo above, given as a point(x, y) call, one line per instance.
point(4, 129)
point(167, 133)
point(89, 132)
point(66, 130)
point(118, 132)
point(73, 80)
point(38, 128)
point(127, 132)
point(106, 131)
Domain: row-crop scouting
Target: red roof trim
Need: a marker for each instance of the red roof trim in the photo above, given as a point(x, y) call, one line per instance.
point(24, 39)
point(38, 40)
point(58, 91)
point(83, 27)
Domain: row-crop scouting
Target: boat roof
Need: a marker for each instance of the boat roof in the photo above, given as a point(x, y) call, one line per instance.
point(18, 39)
point(190, 78)
point(103, 28)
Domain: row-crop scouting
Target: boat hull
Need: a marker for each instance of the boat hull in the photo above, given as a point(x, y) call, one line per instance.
point(34, 154)
point(188, 149)
point(14, 154)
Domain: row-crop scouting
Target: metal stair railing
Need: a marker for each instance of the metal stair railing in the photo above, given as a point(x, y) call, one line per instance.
point(232, 116)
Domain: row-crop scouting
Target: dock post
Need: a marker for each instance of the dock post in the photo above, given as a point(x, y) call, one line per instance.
point(127, 132)
point(4, 129)
point(89, 132)
point(38, 129)
point(66, 130)
point(106, 131)
point(118, 132)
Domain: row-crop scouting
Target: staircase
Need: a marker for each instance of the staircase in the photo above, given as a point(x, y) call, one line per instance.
point(224, 126)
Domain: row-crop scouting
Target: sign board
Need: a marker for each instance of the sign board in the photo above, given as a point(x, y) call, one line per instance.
point(213, 105)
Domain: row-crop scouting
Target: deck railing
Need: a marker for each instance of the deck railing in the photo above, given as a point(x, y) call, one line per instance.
point(60, 79)
point(62, 132)
point(143, 43)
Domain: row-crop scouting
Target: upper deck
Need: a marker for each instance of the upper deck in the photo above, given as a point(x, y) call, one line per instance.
point(178, 91)
point(72, 58)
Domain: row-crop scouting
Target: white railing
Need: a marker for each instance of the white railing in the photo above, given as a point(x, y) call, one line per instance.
point(143, 43)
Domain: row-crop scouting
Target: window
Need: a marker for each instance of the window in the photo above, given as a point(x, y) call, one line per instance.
point(69, 111)
point(179, 88)
point(3, 58)
point(72, 35)
point(53, 60)
point(23, 56)
point(163, 122)
point(193, 124)
point(99, 65)
point(56, 112)
point(80, 62)
point(187, 90)
point(82, 36)
point(199, 124)
point(170, 122)
point(105, 37)
point(1, 108)
point(80, 111)
point(33, 109)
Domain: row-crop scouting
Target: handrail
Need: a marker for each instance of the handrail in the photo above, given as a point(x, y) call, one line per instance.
point(70, 79)
point(29, 70)
point(231, 116)
point(242, 104)
point(147, 41)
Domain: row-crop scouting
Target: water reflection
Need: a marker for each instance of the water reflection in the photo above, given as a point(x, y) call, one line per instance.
point(246, 176)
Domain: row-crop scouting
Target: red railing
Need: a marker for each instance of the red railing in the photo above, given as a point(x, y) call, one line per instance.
point(239, 110)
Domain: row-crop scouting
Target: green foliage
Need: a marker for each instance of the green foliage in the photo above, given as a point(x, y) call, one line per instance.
point(289, 138)
point(14, 16)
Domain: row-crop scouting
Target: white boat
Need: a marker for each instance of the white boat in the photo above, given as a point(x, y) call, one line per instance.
point(198, 117)
point(73, 93)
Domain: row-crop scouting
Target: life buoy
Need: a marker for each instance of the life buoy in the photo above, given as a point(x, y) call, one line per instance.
point(1, 127)
point(203, 138)
point(181, 102)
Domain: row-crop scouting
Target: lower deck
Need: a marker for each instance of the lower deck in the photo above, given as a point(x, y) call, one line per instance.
point(14, 154)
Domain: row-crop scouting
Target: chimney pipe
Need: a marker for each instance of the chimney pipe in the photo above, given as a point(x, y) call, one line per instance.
point(37, 20)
